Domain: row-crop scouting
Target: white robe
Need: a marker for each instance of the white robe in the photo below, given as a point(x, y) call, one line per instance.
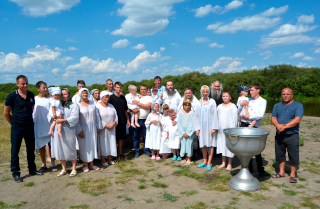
point(89, 120)
point(65, 148)
point(228, 118)
point(164, 147)
point(41, 123)
point(174, 139)
point(107, 138)
point(171, 101)
point(154, 133)
point(208, 121)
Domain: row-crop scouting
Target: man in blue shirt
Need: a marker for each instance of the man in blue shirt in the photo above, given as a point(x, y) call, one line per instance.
point(157, 84)
point(286, 117)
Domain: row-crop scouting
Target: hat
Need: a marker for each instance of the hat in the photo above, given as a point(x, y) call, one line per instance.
point(242, 88)
point(55, 90)
point(105, 93)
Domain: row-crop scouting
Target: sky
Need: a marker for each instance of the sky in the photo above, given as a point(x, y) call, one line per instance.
point(61, 41)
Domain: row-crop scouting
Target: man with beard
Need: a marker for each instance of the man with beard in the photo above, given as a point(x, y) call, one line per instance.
point(171, 96)
point(216, 90)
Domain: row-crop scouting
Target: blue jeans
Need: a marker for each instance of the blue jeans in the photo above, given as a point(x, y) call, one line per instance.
point(136, 136)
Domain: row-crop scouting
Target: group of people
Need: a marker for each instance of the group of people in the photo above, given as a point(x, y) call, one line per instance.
point(93, 124)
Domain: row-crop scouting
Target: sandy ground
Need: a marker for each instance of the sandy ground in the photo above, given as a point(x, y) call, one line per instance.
point(50, 191)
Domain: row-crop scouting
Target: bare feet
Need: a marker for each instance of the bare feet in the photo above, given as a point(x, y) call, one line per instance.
point(60, 134)
point(133, 125)
point(137, 124)
point(221, 166)
point(229, 168)
point(50, 134)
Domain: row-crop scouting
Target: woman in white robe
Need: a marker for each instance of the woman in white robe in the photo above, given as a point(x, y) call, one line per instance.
point(107, 145)
point(64, 149)
point(228, 118)
point(154, 133)
point(165, 149)
point(95, 93)
point(90, 122)
point(208, 125)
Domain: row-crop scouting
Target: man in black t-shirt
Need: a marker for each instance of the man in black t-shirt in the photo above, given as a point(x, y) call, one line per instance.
point(21, 102)
point(120, 104)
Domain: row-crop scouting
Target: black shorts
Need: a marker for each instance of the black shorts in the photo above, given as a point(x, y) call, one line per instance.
point(288, 142)
point(121, 132)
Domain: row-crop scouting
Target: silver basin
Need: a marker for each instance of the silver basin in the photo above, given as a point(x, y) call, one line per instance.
point(245, 143)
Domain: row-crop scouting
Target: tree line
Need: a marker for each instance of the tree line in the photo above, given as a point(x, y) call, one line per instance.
point(305, 82)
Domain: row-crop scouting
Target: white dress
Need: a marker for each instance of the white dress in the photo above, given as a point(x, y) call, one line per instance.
point(228, 118)
point(107, 138)
point(174, 140)
point(89, 120)
point(41, 124)
point(208, 121)
point(129, 97)
point(154, 133)
point(65, 148)
point(164, 144)
point(58, 107)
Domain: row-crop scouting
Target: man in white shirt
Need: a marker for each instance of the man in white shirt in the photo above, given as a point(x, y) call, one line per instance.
point(257, 107)
point(171, 96)
point(144, 108)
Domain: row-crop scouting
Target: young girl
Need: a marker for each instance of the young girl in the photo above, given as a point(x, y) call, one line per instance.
point(55, 109)
point(186, 131)
point(228, 118)
point(153, 126)
point(155, 96)
point(165, 149)
point(173, 135)
point(130, 97)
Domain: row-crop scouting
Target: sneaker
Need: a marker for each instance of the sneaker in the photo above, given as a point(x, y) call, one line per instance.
point(174, 158)
point(179, 158)
point(148, 153)
point(136, 155)
point(153, 157)
point(111, 162)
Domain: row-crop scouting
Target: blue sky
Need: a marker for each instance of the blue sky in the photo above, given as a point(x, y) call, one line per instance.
point(62, 41)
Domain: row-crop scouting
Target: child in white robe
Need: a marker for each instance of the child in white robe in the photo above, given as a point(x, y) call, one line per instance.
point(153, 126)
point(55, 109)
point(173, 135)
point(165, 149)
point(243, 92)
point(155, 96)
point(130, 97)
point(228, 118)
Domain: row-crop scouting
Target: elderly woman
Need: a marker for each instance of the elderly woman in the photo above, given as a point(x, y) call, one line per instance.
point(107, 137)
point(95, 94)
point(89, 120)
point(64, 149)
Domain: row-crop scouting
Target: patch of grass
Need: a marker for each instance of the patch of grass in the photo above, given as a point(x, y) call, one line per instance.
point(169, 163)
point(246, 193)
point(301, 141)
point(148, 201)
point(142, 180)
point(188, 193)
point(142, 186)
point(160, 161)
point(127, 174)
point(289, 192)
point(123, 164)
point(303, 162)
point(94, 187)
point(29, 184)
point(287, 206)
point(151, 169)
point(307, 202)
point(234, 200)
point(45, 181)
point(317, 181)
point(219, 184)
point(159, 184)
point(80, 206)
point(116, 172)
point(160, 176)
point(197, 205)
point(258, 197)
point(299, 186)
point(169, 197)
point(125, 198)
point(6, 178)
point(151, 180)
point(302, 179)
point(312, 169)
point(70, 184)
point(187, 172)
point(4, 205)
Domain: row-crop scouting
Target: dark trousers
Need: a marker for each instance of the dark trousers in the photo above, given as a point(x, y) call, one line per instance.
point(18, 132)
point(136, 135)
point(258, 157)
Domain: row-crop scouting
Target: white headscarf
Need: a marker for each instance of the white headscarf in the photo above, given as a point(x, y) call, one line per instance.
point(55, 90)
point(81, 90)
point(93, 90)
point(105, 93)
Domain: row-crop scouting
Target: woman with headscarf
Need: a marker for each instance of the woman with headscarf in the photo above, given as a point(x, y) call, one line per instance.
point(64, 149)
point(153, 126)
point(107, 145)
point(208, 125)
point(95, 94)
point(90, 122)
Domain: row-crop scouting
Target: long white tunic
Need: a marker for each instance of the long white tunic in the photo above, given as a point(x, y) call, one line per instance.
point(208, 121)
point(65, 148)
point(228, 118)
point(129, 97)
point(154, 133)
point(41, 123)
point(89, 120)
point(164, 146)
point(172, 101)
point(107, 138)
point(174, 140)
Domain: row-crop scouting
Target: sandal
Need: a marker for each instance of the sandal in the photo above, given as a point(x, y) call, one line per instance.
point(42, 169)
point(96, 168)
point(63, 172)
point(293, 180)
point(201, 165)
point(73, 173)
point(54, 169)
point(85, 169)
point(188, 162)
point(277, 175)
point(153, 157)
point(183, 161)
point(158, 158)
point(208, 168)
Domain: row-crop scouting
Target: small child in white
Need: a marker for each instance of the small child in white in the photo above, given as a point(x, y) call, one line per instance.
point(55, 110)
point(130, 97)
point(155, 96)
point(153, 126)
point(173, 135)
point(243, 92)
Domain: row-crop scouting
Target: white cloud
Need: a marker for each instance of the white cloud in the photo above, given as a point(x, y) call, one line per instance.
point(260, 21)
point(201, 39)
point(44, 29)
point(202, 11)
point(106, 31)
point(174, 44)
point(287, 40)
point(308, 58)
point(162, 49)
point(72, 48)
point(96, 31)
point(317, 51)
point(56, 71)
point(70, 40)
point(306, 19)
point(144, 17)
point(226, 64)
point(252, 6)
point(57, 49)
point(122, 43)
point(139, 47)
point(250, 52)
point(285, 54)
point(255, 68)
point(266, 54)
point(297, 55)
point(214, 26)
point(288, 29)
point(215, 45)
point(182, 69)
point(301, 64)
point(37, 8)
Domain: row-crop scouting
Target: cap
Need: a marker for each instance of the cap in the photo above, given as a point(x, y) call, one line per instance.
point(242, 88)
